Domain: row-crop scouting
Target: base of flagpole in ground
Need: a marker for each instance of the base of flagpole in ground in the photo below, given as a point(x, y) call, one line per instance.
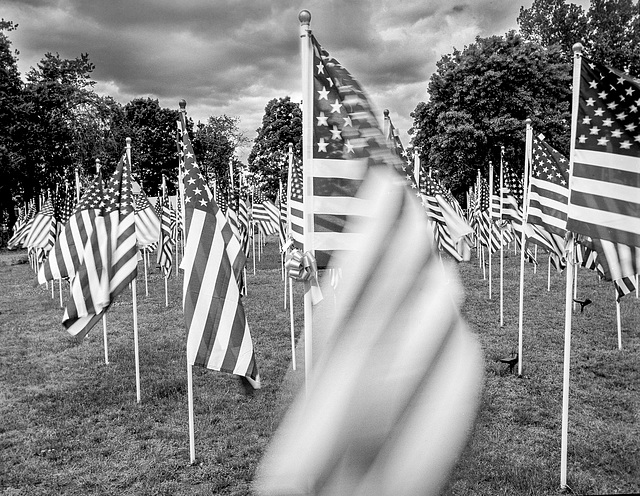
point(192, 443)
point(104, 338)
point(135, 337)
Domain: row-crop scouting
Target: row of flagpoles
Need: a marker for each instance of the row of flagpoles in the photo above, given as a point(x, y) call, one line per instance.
point(332, 219)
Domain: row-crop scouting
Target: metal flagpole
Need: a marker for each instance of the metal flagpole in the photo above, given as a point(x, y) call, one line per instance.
point(490, 222)
point(618, 318)
point(527, 158)
point(577, 56)
point(307, 168)
point(289, 280)
point(104, 315)
point(135, 310)
point(501, 239)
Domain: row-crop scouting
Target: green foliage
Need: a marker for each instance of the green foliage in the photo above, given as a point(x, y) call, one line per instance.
point(281, 125)
point(609, 30)
point(479, 100)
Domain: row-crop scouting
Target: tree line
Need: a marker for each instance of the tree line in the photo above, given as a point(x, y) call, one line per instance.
point(479, 98)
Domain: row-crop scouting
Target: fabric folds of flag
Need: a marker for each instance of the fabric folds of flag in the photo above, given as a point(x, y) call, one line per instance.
point(146, 220)
point(295, 205)
point(67, 253)
point(218, 336)
point(375, 418)
point(165, 249)
point(110, 262)
point(605, 179)
point(43, 228)
point(22, 231)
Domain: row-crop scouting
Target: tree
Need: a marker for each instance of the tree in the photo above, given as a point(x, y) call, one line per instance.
point(217, 142)
point(479, 100)
point(609, 31)
point(152, 130)
point(281, 125)
point(10, 103)
point(56, 98)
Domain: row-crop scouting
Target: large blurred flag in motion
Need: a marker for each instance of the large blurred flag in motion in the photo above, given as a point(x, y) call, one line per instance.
point(388, 407)
point(218, 335)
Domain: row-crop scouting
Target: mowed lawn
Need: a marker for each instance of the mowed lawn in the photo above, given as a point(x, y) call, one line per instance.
point(70, 424)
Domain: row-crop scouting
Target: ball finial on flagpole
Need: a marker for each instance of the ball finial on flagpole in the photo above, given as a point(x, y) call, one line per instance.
point(304, 17)
point(386, 113)
point(128, 140)
point(183, 105)
point(577, 48)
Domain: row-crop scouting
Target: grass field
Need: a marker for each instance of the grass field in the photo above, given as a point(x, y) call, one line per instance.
point(69, 424)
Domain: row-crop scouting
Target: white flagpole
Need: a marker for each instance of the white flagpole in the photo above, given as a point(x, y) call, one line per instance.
point(290, 281)
point(577, 49)
point(490, 221)
point(525, 185)
point(145, 259)
point(535, 256)
point(134, 299)
point(307, 168)
point(104, 315)
point(618, 318)
point(192, 442)
point(60, 288)
point(549, 273)
point(501, 240)
point(416, 168)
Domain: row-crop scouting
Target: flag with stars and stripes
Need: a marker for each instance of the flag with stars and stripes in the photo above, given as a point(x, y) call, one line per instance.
point(146, 220)
point(67, 253)
point(110, 262)
point(334, 173)
point(165, 249)
point(43, 229)
point(604, 202)
point(295, 205)
point(548, 196)
point(21, 232)
point(218, 336)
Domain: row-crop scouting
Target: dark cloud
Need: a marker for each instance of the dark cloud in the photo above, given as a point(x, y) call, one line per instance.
point(233, 56)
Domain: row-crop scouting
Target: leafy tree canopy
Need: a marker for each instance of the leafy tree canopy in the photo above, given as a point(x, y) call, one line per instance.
point(281, 125)
point(479, 100)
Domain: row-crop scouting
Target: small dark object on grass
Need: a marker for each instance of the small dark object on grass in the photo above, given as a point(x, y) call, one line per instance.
point(583, 303)
point(247, 388)
point(511, 362)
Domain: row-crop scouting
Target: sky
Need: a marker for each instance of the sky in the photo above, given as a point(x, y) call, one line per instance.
point(233, 56)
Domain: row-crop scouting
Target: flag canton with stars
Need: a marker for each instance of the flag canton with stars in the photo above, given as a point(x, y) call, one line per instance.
point(513, 184)
point(329, 113)
point(141, 202)
point(608, 111)
point(296, 181)
point(117, 193)
point(484, 195)
point(548, 164)
point(92, 196)
point(196, 193)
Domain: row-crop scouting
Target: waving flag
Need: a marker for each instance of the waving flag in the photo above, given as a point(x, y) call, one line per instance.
point(43, 228)
point(382, 413)
point(110, 262)
point(146, 220)
point(295, 204)
point(165, 251)
point(67, 253)
point(22, 231)
point(218, 336)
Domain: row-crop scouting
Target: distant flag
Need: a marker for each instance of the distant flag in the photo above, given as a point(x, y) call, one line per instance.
point(165, 248)
point(218, 336)
point(67, 253)
point(146, 220)
point(265, 214)
point(43, 228)
point(295, 204)
point(22, 231)
point(110, 256)
point(433, 208)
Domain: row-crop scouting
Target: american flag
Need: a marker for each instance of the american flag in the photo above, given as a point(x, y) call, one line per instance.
point(488, 233)
point(605, 180)
point(43, 228)
point(433, 207)
point(245, 226)
point(22, 230)
point(146, 220)
point(110, 262)
point(218, 336)
point(335, 173)
point(67, 253)
point(265, 213)
point(295, 204)
point(548, 188)
point(165, 251)
point(511, 195)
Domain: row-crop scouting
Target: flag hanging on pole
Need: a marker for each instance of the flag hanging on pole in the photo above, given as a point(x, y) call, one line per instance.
point(67, 253)
point(218, 336)
point(165, 249)
point(605, 180)
point(146, 220)
point(109, 262)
